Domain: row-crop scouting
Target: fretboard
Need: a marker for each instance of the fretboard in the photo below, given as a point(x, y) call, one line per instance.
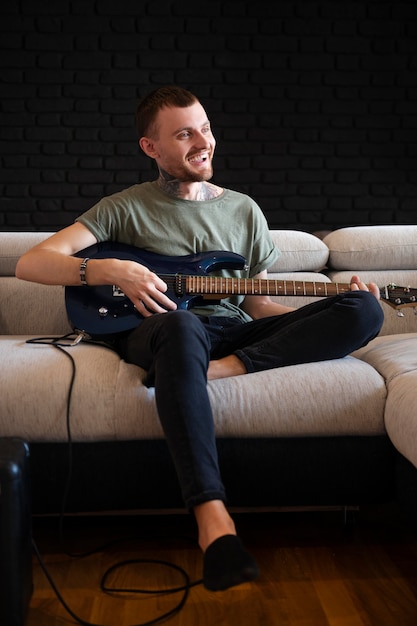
point(218, 285)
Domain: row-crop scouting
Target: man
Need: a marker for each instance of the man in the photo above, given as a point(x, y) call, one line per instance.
point(178, 214)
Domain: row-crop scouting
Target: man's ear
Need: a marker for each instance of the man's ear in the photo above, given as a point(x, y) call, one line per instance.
point(148, 147)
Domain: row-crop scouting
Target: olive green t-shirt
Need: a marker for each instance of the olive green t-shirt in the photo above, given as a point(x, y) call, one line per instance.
point(146, 217)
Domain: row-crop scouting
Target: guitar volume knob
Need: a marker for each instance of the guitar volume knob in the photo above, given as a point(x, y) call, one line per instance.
point(103, 311)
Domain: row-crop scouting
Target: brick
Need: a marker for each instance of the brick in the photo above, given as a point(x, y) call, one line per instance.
point(51, 41)
point(306, 204)
point(17, 205)
point(76, 206)
point(18, 221)
point(345, 27)
point(53, 176)
point(311, 219)
point(195, 43)
point(283, 219)
point(349, 45)
point(310, 176)
point(348, 150)
point(90, 23)
point(41, 162)
point(122, 7)
point(337, 219)
point(383, 190)
point(346, 177)
point(347, 78)
point(282, 162)
point(121, 163)
point(337, 135)
point(48, 76)
point(381, 28)
point(407, 190)
point(90, 176)
point(383, 176)
point(382, 217)
point(127, 148)
point(357, 163)
point(312, 148)
point(229, 26)
point(54, 190)
point(51, 221)
point(334, 189)
point(78, 60)
point(312, 61)
point(378, 121)
point(376, 203)
point(246, 60)
point(20, 176)
point(9, 134)
point(407, 206)
point(83, 148)
point(340, 204)
point(310, 163)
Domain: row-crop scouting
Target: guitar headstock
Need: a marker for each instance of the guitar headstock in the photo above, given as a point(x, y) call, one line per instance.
point(398, 297)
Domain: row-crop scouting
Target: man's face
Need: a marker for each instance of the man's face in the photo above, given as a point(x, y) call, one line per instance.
point(185, 145)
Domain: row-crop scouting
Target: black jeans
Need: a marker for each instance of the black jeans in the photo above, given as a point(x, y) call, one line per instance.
point(175, 348)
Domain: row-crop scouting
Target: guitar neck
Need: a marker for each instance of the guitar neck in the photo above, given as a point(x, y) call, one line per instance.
point(221, 286)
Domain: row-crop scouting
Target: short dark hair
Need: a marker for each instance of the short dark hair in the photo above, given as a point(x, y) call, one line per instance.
point(149, 107)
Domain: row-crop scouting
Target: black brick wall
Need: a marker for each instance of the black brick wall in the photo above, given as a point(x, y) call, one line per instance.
point(313, 103)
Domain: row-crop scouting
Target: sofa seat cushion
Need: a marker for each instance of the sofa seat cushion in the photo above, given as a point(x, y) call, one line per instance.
point(109, 401)
point(329, 398)
point(391, 355)
point(395, 357)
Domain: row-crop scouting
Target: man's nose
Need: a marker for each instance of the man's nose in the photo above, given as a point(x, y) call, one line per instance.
point(201, 139)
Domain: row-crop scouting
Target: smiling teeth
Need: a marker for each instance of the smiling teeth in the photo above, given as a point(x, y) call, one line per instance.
point(195, 159)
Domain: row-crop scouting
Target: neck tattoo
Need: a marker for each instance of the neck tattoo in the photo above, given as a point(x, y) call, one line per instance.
point(206, 191)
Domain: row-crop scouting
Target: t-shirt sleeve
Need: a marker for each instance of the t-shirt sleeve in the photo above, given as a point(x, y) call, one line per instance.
point(264, 252)
point(102, 219)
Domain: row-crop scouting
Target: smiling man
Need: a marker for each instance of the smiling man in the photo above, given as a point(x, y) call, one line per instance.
point(178, 214)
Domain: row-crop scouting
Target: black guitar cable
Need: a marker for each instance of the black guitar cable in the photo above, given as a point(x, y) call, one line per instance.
point(60, 343)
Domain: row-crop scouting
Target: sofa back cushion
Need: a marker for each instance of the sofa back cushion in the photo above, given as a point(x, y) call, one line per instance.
point(300, 252)
point(373, 248)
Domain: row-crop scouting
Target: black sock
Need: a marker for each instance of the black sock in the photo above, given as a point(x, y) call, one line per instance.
point(227, 563)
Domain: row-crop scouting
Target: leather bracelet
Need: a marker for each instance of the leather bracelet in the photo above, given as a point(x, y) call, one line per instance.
point(83, 267)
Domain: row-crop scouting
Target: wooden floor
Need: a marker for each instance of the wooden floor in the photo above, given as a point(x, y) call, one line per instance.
point(314, 571)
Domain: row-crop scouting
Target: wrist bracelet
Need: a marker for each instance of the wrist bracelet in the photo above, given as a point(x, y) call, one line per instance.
point(83, 267)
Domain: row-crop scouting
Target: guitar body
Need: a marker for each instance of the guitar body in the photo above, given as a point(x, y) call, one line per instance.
point(104, 310)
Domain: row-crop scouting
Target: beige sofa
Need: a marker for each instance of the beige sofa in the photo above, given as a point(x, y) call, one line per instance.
point(341, 432)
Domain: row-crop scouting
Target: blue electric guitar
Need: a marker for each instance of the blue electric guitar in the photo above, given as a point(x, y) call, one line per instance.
point(103, 310)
